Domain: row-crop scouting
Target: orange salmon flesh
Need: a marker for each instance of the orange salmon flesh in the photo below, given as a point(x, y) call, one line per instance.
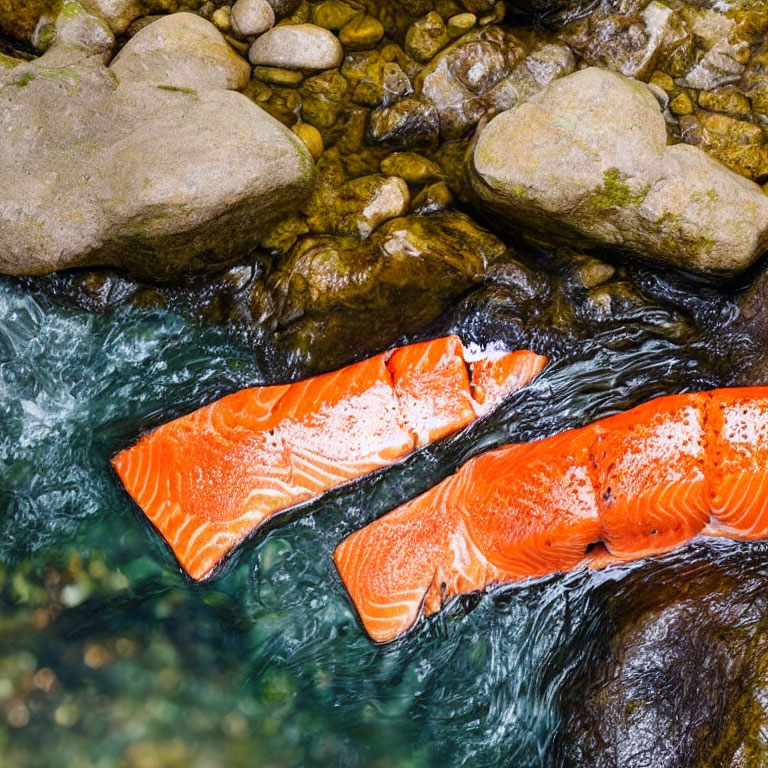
point(636, 484)
point(210, 479)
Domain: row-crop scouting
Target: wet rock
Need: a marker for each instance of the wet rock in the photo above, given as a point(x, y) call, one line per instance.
point(153, 181)
point(460, 24)
point(681, 105)
point(433, 198)
point(277, 76)
point(361, 32)
point(283, 8)
point(332, 14)
point(736, 143)
point(357, 206)
point(408, 124)
point(375, 81)
point(726, 100)
point(426, 37)
point(323, 98)
point(751, 325)
point(630, 45)
point(723, 56)
point(252, 17)
point(221, 18)
point(18, 18)
point(332, 294)
point(484, 73)
point(181, 50)
point(412, 167)
point(311, 138)
point(612, 181)
point(458, 81)
point(281, 103)
point(677, 679)
point(297, 46)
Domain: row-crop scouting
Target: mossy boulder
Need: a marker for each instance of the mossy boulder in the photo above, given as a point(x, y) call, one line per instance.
point(586, 163)
point(156, 181)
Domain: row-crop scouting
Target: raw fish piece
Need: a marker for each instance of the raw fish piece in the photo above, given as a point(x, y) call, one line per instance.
point(649, 469)
point(738, 438)
point(209, 479)
point(635, 484)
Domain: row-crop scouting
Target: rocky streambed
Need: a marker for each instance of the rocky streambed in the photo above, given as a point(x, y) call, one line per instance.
point(196, 197)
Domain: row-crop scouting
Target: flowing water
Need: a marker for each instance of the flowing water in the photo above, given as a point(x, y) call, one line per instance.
point(109, 656)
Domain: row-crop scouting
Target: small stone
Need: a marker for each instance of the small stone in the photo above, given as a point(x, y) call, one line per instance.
point(410, 166)
point(181, 50)
point(297, 46)
point(77, 28)
point(361, 32)
point(407, 124)
point(433, 198)
point(252, 17)
point(681, 104)
point(593, 272)
point(665, 82)
point(496, 16)
point(426, 37)
point(332, 14)
point(729, 101)
point(388, 200)
point(222, 18)
point(323, 98)
point(277, 76)
point(284, 8)
point(460, 23)
point(311, 138)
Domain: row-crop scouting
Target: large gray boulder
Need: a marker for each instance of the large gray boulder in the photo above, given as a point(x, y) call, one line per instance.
point(153, 180)
point(586, 162)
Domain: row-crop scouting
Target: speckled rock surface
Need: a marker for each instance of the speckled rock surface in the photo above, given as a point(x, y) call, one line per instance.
point(154, 181)
point(252, 17)
point(297, 46)
point(181, 51)
point(586, 161)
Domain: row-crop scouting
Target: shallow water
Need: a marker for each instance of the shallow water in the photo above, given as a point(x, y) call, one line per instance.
point(109, 656)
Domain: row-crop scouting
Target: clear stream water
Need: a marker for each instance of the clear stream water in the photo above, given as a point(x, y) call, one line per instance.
point(109, 656)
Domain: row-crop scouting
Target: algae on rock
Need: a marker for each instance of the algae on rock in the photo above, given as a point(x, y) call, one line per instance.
point(331, 294)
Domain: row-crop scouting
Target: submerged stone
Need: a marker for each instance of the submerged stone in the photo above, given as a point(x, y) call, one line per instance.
point(586, 162)
point(332, 294)
point(677, 678)
point(408, 124)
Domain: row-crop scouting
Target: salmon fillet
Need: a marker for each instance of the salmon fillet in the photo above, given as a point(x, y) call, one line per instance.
point(209, 479)
point(738, 436)
point(649, 472)
point(494, 379)
point(473, 529)
point(431, 383)
point(639, 483)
